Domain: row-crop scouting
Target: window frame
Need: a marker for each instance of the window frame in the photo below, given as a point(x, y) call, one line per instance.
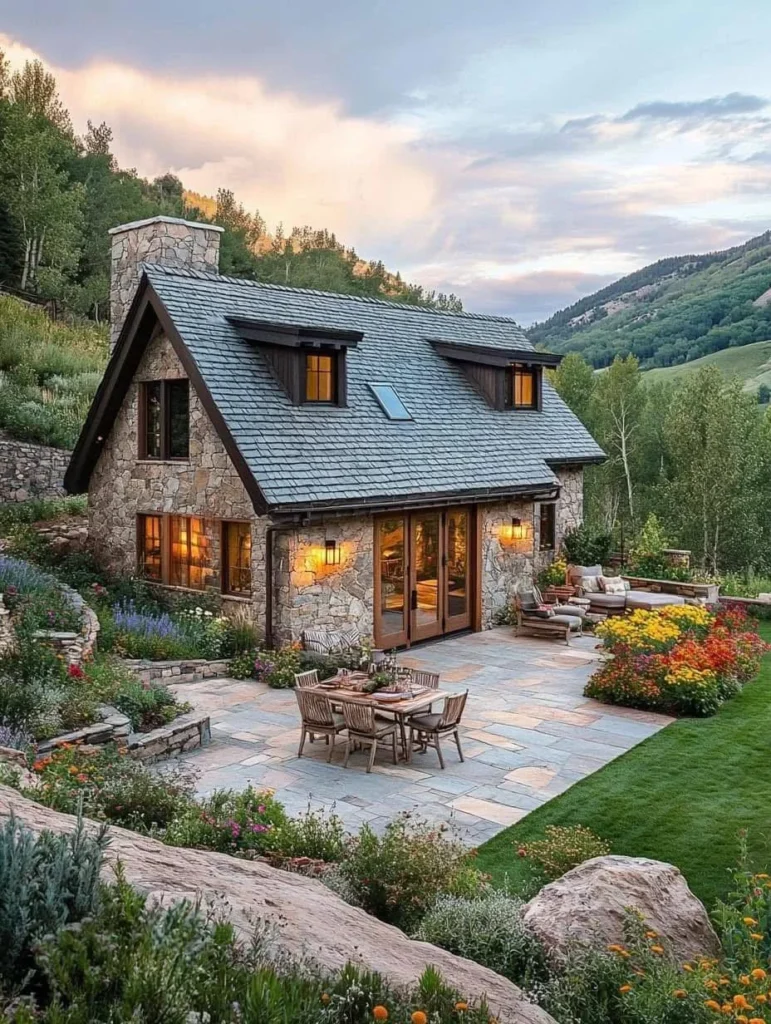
point(225, 568)
point(551, 517)
point(334, 375)
point(142, 518)
point(535, 373)
point(166, 386)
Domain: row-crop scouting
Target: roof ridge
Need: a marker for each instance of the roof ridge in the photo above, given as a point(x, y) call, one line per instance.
point(364, 299)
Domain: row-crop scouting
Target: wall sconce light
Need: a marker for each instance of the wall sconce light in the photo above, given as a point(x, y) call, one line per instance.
point(331, 552)
point(519, 530)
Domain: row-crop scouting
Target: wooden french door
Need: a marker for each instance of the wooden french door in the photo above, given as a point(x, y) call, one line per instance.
point(422, 575)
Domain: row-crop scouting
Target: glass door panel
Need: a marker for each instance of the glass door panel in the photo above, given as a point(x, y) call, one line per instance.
point(391, 579)
point(426, 539)
point(458, 612)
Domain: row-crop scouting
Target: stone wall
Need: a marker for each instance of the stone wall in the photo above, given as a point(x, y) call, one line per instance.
point(508, 564)
point(164, 240)
point(313, 595)
point(31, 470)
point(206, 485)
point(570, 514)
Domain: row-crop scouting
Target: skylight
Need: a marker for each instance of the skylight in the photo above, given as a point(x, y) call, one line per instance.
point(390, 402)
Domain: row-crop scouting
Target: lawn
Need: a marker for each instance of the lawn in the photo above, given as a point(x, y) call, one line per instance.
point(681, 796)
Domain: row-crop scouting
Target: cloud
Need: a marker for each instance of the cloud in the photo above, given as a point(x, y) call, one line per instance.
point(298, 161)
point(696, 110)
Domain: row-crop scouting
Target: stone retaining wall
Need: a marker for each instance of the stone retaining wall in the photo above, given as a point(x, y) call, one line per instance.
point(185, 733)
point(191, 670)
point(76, 647)
point(31, 470)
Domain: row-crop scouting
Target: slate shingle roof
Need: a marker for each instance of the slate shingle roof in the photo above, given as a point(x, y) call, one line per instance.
point(306, 454)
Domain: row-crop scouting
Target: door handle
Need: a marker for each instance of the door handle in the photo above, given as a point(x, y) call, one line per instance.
point(414, 601)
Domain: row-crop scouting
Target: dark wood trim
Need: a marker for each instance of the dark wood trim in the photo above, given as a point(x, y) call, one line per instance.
point(142, 421)
point(264, 332)
point(490, 355)
point(224, 561)
point(390, 639)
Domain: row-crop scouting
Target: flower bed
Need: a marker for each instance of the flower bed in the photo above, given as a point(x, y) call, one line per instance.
point(682, 659)
point(36, 600)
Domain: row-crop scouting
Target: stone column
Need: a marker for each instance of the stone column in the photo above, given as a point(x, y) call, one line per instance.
point(165, 240)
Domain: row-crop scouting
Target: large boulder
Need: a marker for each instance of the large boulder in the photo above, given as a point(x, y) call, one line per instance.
point(311, 920)
point(589, 905)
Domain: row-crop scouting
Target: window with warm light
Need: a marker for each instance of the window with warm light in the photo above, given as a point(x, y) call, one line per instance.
point(149, 533)
point(191, 555)
point(237, 559)
point(524, 387)
point(164, 419)
point(321, 377)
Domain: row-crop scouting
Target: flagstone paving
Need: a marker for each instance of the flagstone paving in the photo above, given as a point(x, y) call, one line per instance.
point(528, 735)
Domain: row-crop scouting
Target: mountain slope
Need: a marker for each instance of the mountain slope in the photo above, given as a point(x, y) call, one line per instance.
point(672, 311)
point(751, 363)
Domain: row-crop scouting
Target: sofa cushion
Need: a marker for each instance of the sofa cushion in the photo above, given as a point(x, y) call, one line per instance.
point(648, 601)
point(608, 600)
point(575, 572)
point(612, 585)
point(566, 620)
point(590, 584)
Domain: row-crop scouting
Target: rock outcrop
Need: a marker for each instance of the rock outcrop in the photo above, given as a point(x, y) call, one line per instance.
point(588, 905)
point(311, 921)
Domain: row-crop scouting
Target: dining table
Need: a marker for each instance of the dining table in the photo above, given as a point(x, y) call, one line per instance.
point(346, 688)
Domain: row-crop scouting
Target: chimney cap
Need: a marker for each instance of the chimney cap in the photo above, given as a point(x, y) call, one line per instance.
point(160, 219)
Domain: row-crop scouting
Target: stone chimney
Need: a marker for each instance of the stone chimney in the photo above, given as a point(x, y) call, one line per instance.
point(166, 240)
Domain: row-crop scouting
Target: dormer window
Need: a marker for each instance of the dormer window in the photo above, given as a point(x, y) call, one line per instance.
point(321, 377)
point(524, 386)
point(164, 420)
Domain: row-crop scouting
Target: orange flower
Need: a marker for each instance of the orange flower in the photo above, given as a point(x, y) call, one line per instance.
point(680, 993)
point(712, 1005)
point(757, 936)
point(657, 949)
point(325, 998)
point(651, 935)
point(762, 998)
point(744, 979)
point(740, 1002)
point(758, 974)
point(461, 1007)
point(687, 967)
point(380, 1013)
point(624, 989)
point(757, 1020)
point(419, 1017)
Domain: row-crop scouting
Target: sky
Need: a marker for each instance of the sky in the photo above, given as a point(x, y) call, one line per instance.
point(517, 153)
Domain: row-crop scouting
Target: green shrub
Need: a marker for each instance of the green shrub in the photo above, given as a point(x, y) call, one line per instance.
point(46, 882)
point(399, 875)
point(38, 510)
point(314, 834)
point(241, 666)
point(278, 668)
point(488, 931)
point(33, 688)
point(148, 707)
point(229, 822)
point(585, 546)
point(563, 847)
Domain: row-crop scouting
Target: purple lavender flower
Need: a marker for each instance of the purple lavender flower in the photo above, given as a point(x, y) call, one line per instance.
point(147, 624)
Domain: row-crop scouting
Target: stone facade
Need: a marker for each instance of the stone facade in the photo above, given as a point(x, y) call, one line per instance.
point(207, 484)
point(165, 240)
point(31, 470)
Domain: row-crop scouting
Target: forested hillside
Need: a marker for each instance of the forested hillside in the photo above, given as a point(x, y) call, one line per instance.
point(672, 311)
point(60, 193)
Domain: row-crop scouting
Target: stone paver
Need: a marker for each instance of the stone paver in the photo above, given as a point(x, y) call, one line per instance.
point(528, 735)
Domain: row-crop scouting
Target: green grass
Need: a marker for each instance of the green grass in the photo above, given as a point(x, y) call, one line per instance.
point(752, 363)
point(681, 796)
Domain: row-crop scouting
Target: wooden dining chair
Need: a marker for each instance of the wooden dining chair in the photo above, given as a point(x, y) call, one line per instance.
point(317, 717)
point(305, 679)
point(367, 729)
point(428, 680)
point(431, 728)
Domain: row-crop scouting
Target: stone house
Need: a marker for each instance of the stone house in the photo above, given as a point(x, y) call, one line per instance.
point(321, 460)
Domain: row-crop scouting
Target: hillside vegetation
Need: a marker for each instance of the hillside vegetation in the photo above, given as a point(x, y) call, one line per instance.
point(671, 312)
point(750, 363)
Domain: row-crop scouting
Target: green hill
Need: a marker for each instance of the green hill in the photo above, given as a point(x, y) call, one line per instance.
point(671, 312)
point(751, 363)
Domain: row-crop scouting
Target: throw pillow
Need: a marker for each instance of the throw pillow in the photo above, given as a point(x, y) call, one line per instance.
point(590, 584)
point(612, 585)
point(543, 611)
point(577, 572)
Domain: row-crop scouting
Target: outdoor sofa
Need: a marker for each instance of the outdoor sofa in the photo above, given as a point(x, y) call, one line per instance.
point(612, 595)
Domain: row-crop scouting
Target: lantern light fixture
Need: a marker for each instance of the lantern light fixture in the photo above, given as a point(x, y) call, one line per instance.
point(331, 552)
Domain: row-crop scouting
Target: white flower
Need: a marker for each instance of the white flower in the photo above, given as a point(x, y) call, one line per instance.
point(199, 611)
point(208, 614)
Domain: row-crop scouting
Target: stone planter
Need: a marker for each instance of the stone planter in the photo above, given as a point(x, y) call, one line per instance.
point(185, 733)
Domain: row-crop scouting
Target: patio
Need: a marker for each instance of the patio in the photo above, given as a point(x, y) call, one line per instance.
point(528, 734)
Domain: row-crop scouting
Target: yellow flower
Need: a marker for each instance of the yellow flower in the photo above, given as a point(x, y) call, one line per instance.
point(757, 936)
point(624, 989)
point(680, 993)
point(749, 920)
